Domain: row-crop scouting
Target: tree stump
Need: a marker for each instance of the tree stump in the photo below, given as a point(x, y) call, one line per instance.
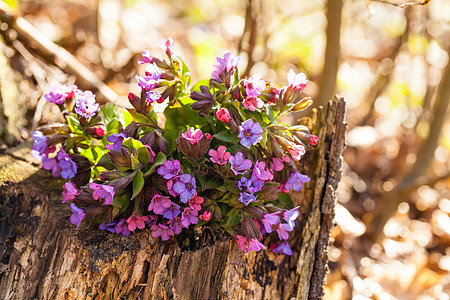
point(43, 256)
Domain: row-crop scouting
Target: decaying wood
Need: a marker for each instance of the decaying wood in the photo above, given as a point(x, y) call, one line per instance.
point(43, 256)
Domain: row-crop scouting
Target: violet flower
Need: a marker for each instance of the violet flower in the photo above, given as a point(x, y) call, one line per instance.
point(296, 81)
point(270, 220)
point(77, 215)
point(85, 104)
point(153, 96)
point(290, 216)
point(193, 135)
point(220, 156)
point(159, 203)
point(296, 181)
point(246, 198)
point(151, 220)
point(185, 187)
point(283, 231)
point(147, 83)
point(189, 216)
point(122, 228)
point(39, 145)
point(69, 192)
point(261, 172)
point(57, 94)
point(51, 164)
point(153, 72)
point(254, 85)
point(67, 165)
point(176, 225)
point(116, 140)
point(136, 222)
point(172, 211)
point(147, 58)
point(161, 230)
point(102, 191)
point(283, 248)
point(226, 64)
point(239, 165)
point(169, 169)
point(110, 226)
point(250, 133)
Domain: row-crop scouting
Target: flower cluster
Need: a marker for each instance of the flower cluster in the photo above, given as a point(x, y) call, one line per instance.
point(223, 159)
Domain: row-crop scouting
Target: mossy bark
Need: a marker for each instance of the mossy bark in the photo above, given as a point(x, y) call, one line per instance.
point(42, 256)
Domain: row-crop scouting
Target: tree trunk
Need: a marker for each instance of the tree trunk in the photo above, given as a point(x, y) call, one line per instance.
point(43, 256)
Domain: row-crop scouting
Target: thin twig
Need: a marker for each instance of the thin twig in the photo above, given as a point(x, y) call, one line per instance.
point(403, 5)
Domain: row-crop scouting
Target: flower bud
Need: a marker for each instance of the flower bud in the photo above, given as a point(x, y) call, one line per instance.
point(131, 130)
point(97, 131)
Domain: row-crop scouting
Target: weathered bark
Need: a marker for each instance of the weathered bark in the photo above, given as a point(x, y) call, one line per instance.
point(42, 256)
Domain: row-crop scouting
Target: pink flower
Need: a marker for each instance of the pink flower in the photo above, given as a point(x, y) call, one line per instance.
point(147, 58)
point(195, 202)
point(313, 139)
point(102, 191)
point(193, 135)
point(166, 45)
point(276, 164)
point(220, 156)
point(254, 85)
point(296, 151)
point(70, 192)
point(242, 242)
point(296, 81)
point(136, 222)
point(189, 216)
point(161, 230)
point(205, 216)
point(159, 203)
point(246, 245)
point(255, 245)
point(223, 115)
point(253, 103)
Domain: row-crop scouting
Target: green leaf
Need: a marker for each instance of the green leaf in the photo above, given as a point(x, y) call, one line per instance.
point(192, 115)
point(74, 124)
point(157, 161)
point(105, 162)
point(132, 143)
point(121, 202)
point(286, 200)
point(110, 112)
point(144, 156)
point(138, 183)
point(227, 136)
point(208, 183)
point(234, 217)
point(270, 114)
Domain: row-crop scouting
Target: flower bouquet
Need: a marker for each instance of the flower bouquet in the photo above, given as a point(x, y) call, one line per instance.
point(215, 155)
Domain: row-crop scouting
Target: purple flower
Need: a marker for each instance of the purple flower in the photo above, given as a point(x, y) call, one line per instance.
point(147, 83)
point(67, 165)
point(51, 164)
point(283, 231)
point(185, 187)
point(250, 133)
point(193, 135)
point(70, 191)
point(283, 248)
point(175, 225)
point(291, 215)
point(254, 85)
point(169, 169)
point(255, 245)
point(40, 144)
point(153, 96)
point(226, 64)
point(270, 220)
point(57, 94)
point(159, 203)
point(172, 211)
point(85, 104)
point(239, 165)
point(220, 156)
point(296, 81)
point(151, 220)
point(116, 140)
point(136, 222)
point(253, 186)
point(77, 215)
point(153, 72)
point(122, 228)
point(246, 198)
point(189, 216)
point(261, 172)
point(161, 230)
point(110, 226)
point(102, 191)
point(296, 181)
point(147, 58)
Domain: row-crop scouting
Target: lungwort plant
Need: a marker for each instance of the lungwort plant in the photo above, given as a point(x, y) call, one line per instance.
point(218, 155)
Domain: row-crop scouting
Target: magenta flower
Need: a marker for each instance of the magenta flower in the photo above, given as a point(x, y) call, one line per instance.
point(175, 225)
point(122, 228)
point(290, 216)
point(223, 115)
point(239, 165)
point(296, 81)
point(242, 242)
point(283, 231)
point(85, 104)
point(261, 172)
point(159, 203)
point(161, 230)
point(296, 181)
point(151, 220)
point(254, 85)
point(102, 191)
point(51, 164)
point(147, 83)
point(246, 245)
point(166, 45)
point(270, 220)
point(205, 216)
point(67, 165)
point(220, 156)
point(116, 140)
point(296, 151)
point(169, 169)
point(226, 64)
point(193, 135)
point(252, 104)
point(136, 222)
point(172, 211)
point(185, 188)
point(276, 164)
point(189, 216)
point(255, 245)
point(283, 248)
point(69, 192)
point(195, 202)
point(77, 215)
point(250, 133)
point(57, 94)
point(147, 58)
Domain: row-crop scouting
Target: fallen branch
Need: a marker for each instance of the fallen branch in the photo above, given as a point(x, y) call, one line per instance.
point(56, 55)
point(403, 5)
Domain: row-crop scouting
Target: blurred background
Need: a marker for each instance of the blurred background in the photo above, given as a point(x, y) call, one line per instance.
point(388, 59)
